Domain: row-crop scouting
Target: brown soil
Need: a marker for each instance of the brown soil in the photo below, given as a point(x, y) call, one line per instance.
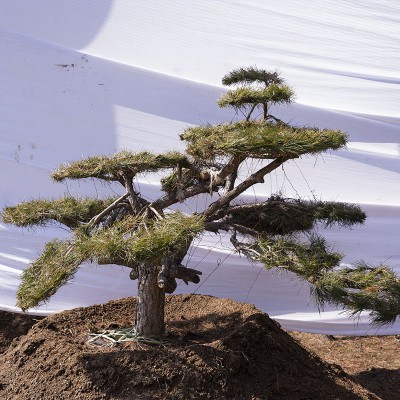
point(372, 361)
point(216, 349)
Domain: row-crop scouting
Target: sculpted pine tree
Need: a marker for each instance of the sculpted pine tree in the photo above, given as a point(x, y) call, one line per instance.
point(150, 239)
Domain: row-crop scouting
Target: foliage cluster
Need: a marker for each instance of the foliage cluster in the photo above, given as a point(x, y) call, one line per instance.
point(259, 139)
point(54, 268)
point(282, 216)
point(68, 211)
point(251, 75)
point(123, 163)
point(278, 94)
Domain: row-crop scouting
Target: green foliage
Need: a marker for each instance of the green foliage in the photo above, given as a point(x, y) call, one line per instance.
point(251, 75)
point(166, 236)
point(259, 139)
point(67, 211)
point(130, 241)
point(124, 162)
point(136, 240)
point(279, 216)
point(343, 214)
point(276, 94)
point(357, 289)
point(308, 260)
point(51, 270)
point(108, 245)
point(360, 288)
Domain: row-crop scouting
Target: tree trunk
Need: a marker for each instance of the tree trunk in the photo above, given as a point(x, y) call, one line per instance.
point(150, 309)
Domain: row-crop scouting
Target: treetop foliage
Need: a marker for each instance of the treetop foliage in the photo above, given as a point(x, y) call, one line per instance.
point(251, 75)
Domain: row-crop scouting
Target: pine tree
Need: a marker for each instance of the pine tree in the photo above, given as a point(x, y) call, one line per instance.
point(150, 239)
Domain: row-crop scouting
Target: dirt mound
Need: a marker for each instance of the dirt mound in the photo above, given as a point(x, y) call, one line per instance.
point(216, 349)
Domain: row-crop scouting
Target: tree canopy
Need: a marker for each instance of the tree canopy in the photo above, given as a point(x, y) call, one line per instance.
point(146, 236)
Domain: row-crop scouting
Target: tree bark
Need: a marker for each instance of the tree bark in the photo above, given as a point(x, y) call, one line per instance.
point(150, 309)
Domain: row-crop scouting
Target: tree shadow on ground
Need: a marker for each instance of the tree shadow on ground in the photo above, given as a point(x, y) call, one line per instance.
point(215, 356)
point(381, 381)
point(14, 325)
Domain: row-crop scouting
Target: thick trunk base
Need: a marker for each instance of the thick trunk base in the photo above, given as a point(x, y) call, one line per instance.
point(150, 309)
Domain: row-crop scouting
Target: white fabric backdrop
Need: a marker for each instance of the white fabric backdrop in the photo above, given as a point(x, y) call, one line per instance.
point(80, 78)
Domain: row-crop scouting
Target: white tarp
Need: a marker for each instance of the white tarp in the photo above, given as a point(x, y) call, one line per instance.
point(82, 77)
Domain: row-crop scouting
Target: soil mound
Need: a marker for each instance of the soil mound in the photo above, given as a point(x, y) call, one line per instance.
point(215, 349)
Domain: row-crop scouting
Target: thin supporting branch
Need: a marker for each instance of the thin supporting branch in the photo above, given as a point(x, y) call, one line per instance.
point(244, 248)
point(155, 212)
point(224, 225)
point(231, 167)
point(173, 198)
point(135, 200)
point(96, 219)
point(250, 112)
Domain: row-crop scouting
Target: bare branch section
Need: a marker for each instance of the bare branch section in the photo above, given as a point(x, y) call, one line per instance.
point(97, 219)
point(169, 273)
point(257, 177)
point(172, 198)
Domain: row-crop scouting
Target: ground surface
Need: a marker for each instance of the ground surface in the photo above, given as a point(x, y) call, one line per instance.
point(216, 349)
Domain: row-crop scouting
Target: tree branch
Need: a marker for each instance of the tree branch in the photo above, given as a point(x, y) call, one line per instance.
point(172, 198)
point(241, 247)
point(186, 274)
point(257, 177)
point(135, 200)
point(96, 219)
point(251, 111)
point(225, 225)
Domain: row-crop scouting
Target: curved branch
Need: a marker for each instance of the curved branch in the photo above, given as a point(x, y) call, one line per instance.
point(96, 219)
point(173, 198)
point(250, 112)
point(225, 225)
point(257, 177)
point(136, 201)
